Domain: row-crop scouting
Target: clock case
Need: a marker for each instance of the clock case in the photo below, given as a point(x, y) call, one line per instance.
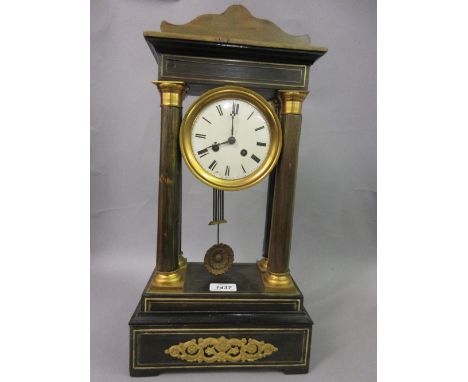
point(178, 324)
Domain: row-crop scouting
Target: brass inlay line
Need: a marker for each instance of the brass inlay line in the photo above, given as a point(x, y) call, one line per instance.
point(302, 362)
point(296, 302)
point(221, 349)
point(301, 68)
point(298, 68)
point(202, 330)
point(283, 293)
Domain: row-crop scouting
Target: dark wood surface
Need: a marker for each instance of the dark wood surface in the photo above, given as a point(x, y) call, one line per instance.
point(169, 204)
point(152, 333)
point(160, 45)
point(269, 205)
point(196, 296)
point(203, 73)
point(283, 199)
point(204, 65)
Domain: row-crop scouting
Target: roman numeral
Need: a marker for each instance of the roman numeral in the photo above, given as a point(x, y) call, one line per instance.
point(235, 108)
point(250, 115)
point(206, 120)
point(203, 152)
point(220, 111)
point(200, 136)
point(261, 144)
point(255, 158)
point(259, 128)
point(228, 168)
point(212, 165)
point(243, 169)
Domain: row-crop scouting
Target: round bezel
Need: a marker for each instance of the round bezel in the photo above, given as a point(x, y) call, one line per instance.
point(218, 94)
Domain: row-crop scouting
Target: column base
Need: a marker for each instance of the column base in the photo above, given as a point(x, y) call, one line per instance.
point(277, 281)
point(168, 280)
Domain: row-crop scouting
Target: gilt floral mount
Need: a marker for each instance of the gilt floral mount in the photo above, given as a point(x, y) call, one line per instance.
point(221, 349)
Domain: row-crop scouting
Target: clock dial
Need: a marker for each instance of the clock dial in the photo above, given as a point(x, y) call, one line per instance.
point(230, 138)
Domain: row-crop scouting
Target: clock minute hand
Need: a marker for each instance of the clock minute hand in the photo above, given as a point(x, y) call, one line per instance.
point(235, 111)
point(232, 120)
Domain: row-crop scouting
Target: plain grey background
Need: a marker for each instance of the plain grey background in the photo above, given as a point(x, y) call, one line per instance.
point(333, 255)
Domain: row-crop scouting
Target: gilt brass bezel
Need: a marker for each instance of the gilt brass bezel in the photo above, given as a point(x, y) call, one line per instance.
point(257, 101)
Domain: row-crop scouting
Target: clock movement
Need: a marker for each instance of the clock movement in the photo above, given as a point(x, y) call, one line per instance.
point(251, 79)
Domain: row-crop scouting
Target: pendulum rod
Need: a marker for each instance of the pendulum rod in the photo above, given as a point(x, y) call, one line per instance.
point(218, 210)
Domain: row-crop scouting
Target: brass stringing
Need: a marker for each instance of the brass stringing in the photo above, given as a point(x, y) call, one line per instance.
point(221, 349)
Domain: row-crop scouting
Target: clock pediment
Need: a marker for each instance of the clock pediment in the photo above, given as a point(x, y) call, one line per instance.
point(235, 33)
point(236, 25)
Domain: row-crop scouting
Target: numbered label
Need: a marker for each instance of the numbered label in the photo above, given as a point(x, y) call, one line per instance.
point(216, 287)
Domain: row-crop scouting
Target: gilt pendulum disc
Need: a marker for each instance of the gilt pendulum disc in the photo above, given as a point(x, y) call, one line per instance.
point(218, 259)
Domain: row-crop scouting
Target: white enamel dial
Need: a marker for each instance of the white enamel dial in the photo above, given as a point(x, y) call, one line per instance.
point(230, 138)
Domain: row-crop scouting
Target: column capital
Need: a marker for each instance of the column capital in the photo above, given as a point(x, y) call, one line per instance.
point(172, 92)
point(291, 101)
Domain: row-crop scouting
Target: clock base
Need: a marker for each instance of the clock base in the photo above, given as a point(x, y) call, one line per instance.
point(201, 330)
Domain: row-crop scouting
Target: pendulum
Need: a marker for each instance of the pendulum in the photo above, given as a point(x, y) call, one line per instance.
point(219, 257)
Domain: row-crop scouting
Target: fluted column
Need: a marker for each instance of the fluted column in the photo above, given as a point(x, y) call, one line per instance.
point(263, 262)
point(168, 250)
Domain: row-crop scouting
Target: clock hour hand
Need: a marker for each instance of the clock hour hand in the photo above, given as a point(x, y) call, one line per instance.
point(231, 140)
point(215, 146)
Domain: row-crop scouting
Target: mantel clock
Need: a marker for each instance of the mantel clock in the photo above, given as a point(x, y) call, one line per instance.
point(251, 79)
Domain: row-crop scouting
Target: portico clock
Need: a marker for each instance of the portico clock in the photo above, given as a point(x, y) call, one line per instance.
point(250, 80)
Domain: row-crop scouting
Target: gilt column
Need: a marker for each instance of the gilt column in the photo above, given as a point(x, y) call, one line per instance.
point(168, 249)
point(277, 274)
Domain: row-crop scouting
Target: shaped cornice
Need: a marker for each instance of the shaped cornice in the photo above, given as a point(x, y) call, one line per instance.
point(235, 25)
